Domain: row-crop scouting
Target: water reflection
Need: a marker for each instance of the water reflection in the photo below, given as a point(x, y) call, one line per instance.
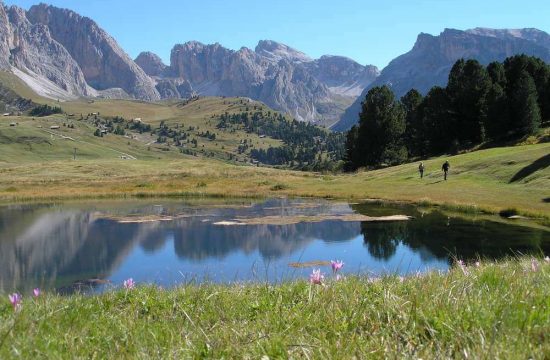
point(55, 246)
point(441, 236)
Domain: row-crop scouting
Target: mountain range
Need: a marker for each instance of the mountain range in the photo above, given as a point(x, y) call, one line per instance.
point(62, 55)
point(429, 62)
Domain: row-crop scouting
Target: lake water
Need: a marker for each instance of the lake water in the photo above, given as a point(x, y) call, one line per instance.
point(97, 245)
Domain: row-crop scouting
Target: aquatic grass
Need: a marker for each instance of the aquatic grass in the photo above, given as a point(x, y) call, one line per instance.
point(496, 310)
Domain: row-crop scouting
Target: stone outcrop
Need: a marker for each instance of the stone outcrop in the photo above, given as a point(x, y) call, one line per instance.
point(104, 64)
point(151, 63)
point(35, 52)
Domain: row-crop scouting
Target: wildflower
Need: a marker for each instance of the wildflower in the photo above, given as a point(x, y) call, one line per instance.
point(129, 284)
point(15, 300)
point(316, 277)
point(36, 292)
point(547, 259)
point(336, 265)
point(534, 265)
point(478, 264)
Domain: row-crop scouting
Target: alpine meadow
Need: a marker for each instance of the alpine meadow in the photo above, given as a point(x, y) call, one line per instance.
point(173, 185)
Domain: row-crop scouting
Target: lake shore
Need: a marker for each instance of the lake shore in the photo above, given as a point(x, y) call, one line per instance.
point(479, 182)
point(498, 309)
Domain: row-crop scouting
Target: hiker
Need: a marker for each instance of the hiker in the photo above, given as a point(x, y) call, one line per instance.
point(446, 166)
point(421, 170)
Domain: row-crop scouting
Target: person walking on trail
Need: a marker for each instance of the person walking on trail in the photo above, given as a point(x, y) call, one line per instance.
point(446, 166)
point(421, 170)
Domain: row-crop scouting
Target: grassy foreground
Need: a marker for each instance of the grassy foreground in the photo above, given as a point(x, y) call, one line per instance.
point(497, 310)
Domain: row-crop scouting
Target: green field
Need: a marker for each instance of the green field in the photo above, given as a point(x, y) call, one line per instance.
point(499, 310)
point(496, 311)
point(37, 162)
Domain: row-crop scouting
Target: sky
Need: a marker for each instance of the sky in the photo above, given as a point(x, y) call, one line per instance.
point(370, 32)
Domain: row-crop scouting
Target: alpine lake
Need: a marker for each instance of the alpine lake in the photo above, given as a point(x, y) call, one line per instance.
point(94, 246)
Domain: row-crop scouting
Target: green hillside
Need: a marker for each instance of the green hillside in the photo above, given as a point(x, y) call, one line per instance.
point(228, 129)
point(37, 161)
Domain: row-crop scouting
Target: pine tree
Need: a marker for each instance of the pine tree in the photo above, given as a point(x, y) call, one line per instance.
point(437, 123)
point(381, 128)
point(525, 109)
point(468, 86)
point(498, 120)
point(413, 129)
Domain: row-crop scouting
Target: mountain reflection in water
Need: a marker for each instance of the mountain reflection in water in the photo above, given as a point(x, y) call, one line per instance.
point(54, 246)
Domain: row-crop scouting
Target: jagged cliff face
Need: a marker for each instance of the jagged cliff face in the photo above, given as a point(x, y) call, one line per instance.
point(104, 64)
point(34, 51)
point(343, 75)
point(62, 55)
point(151, 64)
point(432, 57)
point(284, 78)
point(5, 39)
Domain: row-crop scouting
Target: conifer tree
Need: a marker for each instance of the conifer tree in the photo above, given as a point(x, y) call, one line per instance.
point(525, 109)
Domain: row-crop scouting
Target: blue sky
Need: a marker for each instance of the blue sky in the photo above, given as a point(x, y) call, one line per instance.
point(370, 32)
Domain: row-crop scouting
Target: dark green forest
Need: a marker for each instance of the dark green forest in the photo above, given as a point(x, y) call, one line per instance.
point(490, 105)
point(45, 110)
point(305, 146)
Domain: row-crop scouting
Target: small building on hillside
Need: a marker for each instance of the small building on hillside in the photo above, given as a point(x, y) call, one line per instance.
point(54, 127)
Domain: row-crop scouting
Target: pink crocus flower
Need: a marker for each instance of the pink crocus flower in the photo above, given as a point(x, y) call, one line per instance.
point(129, 284)
point(316, 277)
point(336, 265)
point(534, 265)
point(36, 292)
point(15, 300)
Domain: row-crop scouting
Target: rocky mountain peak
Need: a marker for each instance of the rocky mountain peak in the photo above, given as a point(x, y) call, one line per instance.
point(151, 63)
point(530, 34)
point(276, 51)
point(430, 60)
point(104, 64)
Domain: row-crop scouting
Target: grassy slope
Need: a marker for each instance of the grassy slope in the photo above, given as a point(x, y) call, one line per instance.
point(477, 179)
point(35, 165)
point(495, 311)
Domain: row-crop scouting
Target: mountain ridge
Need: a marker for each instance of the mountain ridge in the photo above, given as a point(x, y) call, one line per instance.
point(274, 73)
point(430, 60)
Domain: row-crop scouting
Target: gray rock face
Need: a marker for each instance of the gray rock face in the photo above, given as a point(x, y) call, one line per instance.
point(5, 39)
point(151, 63)
point(282, 77)
point(275, 51)
point(432, 57)
point(104, 64)
point(343, 75)
point(33, 51)
point(61, 54)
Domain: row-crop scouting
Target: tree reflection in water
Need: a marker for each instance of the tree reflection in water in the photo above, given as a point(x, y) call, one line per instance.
point(437, 236)
point(57, 245)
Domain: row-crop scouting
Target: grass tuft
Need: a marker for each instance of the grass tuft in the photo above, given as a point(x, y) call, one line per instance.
point(494, 310)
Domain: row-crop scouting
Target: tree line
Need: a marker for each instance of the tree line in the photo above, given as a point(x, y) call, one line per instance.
point(305, 146)
point(496, 103)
